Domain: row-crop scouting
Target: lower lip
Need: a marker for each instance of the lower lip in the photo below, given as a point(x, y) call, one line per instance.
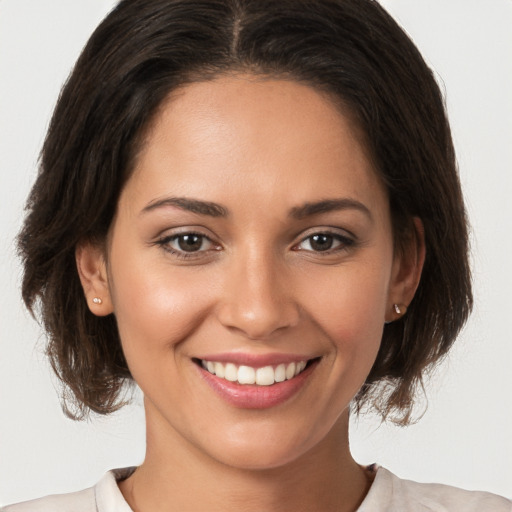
point(246, 396)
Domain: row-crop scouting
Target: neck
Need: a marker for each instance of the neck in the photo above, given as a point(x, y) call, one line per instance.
point(175, 476)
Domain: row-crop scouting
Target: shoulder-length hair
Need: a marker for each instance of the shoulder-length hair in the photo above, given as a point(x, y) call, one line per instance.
point(145, 49)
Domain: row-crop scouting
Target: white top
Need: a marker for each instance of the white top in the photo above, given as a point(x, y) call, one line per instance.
point(388, 493)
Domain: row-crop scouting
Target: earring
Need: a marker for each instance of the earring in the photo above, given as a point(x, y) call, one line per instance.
point(400, 309)
point(97, 300)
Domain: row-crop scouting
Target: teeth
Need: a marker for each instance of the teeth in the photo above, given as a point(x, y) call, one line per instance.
point(280, 373)
point(265, 376)
point(246, 375)
point(230, 372)
point(219, 370)
point(290, 371)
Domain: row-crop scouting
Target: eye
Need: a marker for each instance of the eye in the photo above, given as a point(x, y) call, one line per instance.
point(324, 242)
point(190, 242)
point(186, 244)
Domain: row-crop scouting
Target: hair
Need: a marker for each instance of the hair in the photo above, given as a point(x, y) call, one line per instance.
point(145, 49)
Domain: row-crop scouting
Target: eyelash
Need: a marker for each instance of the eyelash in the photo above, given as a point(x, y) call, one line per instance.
point(344, 241)
point(166, 240)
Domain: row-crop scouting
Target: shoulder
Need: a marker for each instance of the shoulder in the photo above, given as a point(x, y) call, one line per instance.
point(392, 494)
point(81, 501)
point(105, 496)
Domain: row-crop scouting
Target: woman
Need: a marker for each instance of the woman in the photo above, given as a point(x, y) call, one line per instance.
point(252, 210)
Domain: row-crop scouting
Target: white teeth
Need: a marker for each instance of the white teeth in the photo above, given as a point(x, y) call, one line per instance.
point(219, 370)
point(246, 375)
point(280, 373)
point(290, 371)
point(265, 376)
point(231, 372)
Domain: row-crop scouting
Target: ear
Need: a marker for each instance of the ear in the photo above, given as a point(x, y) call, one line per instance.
point(92, 269)
point(407, 267)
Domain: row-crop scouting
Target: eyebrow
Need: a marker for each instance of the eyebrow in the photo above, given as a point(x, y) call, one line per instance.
point(298, 212)
point(328, 205)
point(191, 205)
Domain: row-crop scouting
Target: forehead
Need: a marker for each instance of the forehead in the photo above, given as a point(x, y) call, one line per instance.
point(245, 134)
point(248, 107)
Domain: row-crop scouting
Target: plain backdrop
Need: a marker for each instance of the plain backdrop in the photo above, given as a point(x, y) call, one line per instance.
point(464, 438)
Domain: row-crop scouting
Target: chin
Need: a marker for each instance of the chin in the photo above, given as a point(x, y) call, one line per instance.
point(258, 458)
point(264, 448)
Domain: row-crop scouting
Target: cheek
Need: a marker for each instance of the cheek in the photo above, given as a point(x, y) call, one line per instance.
point(349, 305)
point(155, 307)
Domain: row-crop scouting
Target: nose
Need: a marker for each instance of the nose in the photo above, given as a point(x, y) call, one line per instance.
point(258, 298)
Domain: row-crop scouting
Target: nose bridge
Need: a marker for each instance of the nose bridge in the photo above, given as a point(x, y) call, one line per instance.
point(257, 299)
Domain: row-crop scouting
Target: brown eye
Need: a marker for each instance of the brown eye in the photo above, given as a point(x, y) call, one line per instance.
point(325, 242)
point(321, 242)
point(190, 242)
point(186, 244)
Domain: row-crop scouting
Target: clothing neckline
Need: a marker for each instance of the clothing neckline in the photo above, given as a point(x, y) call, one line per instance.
point(109, 496)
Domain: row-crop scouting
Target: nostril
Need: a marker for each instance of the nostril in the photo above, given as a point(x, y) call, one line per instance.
point(257, 320)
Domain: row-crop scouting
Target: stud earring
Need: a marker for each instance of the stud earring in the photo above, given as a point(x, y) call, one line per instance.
point(399, 309)
point(97, 300)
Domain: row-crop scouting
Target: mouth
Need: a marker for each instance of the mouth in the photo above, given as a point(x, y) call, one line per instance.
point(256, 382)
point(248, 375)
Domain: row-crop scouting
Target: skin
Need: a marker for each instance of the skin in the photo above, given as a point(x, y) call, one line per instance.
point(261, 149)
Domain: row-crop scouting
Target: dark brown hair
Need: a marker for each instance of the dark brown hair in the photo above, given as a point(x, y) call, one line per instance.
point(145, 49)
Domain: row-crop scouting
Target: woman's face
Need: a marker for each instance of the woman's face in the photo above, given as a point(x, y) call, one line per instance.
point(252, 239)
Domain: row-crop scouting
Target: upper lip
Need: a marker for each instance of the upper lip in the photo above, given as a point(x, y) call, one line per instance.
point(255, 360)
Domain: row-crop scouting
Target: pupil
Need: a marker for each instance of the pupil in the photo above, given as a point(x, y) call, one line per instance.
point(190, 243)
point(321, 242)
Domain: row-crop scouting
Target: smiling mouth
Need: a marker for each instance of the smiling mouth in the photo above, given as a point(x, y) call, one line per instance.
point(264, 376)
